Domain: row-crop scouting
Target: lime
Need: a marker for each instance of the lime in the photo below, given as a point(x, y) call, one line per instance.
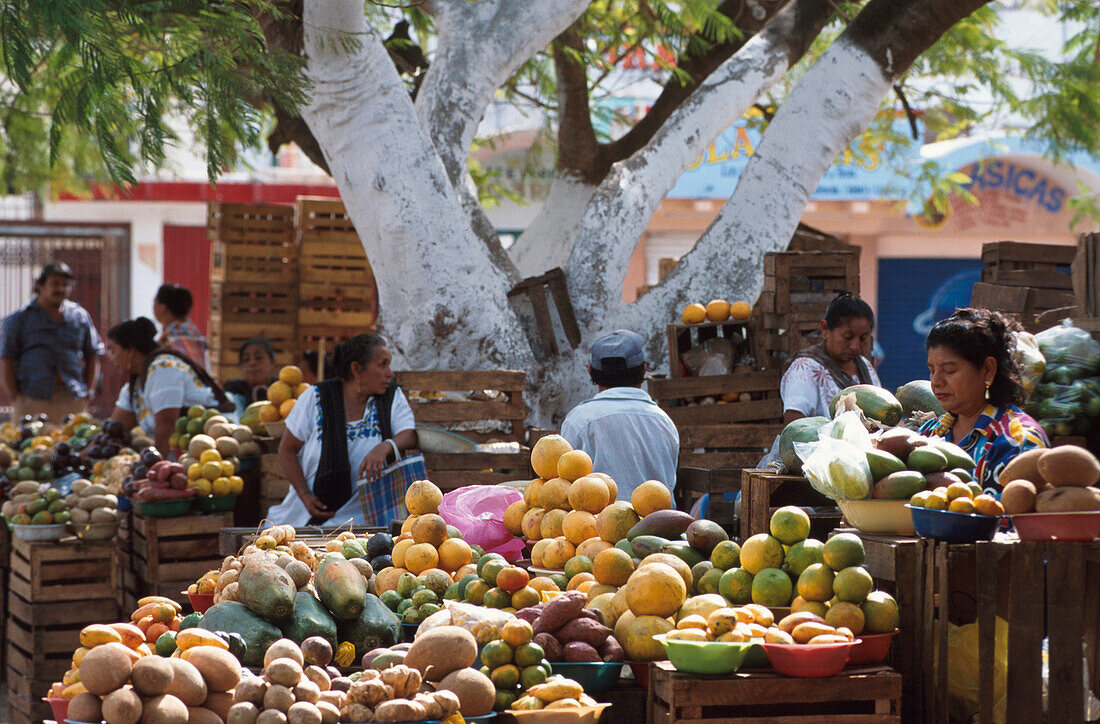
point(530, 654)
point(166, 644)
point(405, 605)
point(466, 581)
point(532, 676)
point(560, 580)
point(391, 598)
point(504, 700)
point(453, 592)
point(490, 570)
point(505, 677)
point(191, 620)
point(497, 598)
point(475, 592)
point(485, 559)
point(424, 595)
point(496, 654)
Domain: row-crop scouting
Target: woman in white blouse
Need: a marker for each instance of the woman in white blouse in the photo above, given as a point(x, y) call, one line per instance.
point(374, 417)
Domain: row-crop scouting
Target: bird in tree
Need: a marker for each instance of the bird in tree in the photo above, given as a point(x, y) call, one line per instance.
point(406, 55)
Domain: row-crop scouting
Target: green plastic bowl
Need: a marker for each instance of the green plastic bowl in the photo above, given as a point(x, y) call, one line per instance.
point(216, 503)
point(594, 676)
point(716, 658)
point(163, 508)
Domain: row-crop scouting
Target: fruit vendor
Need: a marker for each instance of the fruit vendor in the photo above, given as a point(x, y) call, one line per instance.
point(256, 361)
point(628, 436)
point(51, 351)
point(161, 382)
point(975, 377)
point(347, 425)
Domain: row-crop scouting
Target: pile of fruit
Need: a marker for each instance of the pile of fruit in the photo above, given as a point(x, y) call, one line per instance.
point(94, 504)
point(218, 432)
point(514, 663)
point(32, 503)
point(1055, 480)
point(281, 397)
point(417, 597)
point(426, 542)
point(164, 481)
point(28, 465)
point(743, 623)
point(716, 310)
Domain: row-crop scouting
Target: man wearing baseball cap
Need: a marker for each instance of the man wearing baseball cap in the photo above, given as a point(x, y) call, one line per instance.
point(628, 436)
point(50, 350)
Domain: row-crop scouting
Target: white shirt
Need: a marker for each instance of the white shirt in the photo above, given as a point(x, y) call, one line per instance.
point(304, 423)
point(807, 387)
point(628, 437)
point(169, 384)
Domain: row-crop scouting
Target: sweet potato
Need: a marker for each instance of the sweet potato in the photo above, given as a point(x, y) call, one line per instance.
point(579, 651)
point(559, 611)
point(585, 630)
point(550, 646)
point(530, 613)
point(610, 650)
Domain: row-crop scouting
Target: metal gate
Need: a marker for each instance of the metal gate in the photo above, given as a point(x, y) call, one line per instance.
point(99, 255)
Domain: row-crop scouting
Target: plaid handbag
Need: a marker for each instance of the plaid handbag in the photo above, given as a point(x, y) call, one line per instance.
point(383, 499)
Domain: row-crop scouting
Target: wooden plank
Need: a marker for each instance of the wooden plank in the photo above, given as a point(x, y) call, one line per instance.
point(1065, 615)
point(986, 587)
point(1026, 603)
point(999, 252)
point(547, 336)
point(943, 586)
point(665, 389)
point(478, 461)
point(462, 380)
point(720, 459)
point(729, 435)
point(451, 479)
point(1038, 278)
point(754, 411)
point(467, 411)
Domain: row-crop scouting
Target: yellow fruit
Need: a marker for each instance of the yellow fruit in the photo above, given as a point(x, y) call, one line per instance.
point(194, 471)
point(554, 493)
point(236, 484)
point(431, 529)
point(269, 413)
point(937, 499)
point(651, 496)
point(551, 524)
point(846, 614)
point(592, 547)
point(556, 553)
point(408, 524)
point(637, 641)
point(655, 589)
point(227, 468)
point(574, 464)
point(300, 390)
point(423, 497)
point(581, 582)
point(790, 524)
point(220, 486)
point(615, 520)
point(290, 375)
point(958, 490)
point(286, 407)
point(578, 526)
point(210, 456)
point(718, 310)
point(398, 554)
point(693, 313)
point(612, 487)
point(211, 470)
point(536, 555)
point(588, 493)
point(961, 505)
point(531, 492)
point(278, 393)
point(988, 505)
point(545, 454)
point(454, 553)
point(532, 523)
point(740, 310)
point(203, 486)
point(420, 557)
point(513, 517)
point(761, 551)
point(542, 583)
point(612, 567)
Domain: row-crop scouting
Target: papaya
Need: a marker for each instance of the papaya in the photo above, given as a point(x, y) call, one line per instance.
point(875, 402)
point(266, 589)
point(801, 430)
point(251, 417)
point(376, 627)
point(310, 619)
point(917, 396)
point(236, 618)
point(340, 587)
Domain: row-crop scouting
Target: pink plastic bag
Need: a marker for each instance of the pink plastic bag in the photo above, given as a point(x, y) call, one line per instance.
point(478, 513)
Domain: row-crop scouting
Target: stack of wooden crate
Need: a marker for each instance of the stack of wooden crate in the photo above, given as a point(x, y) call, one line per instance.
point(254, 282)
point(1086, 283)
point(1028, 280)
point(54, 590)
point(798, 287)
point(337, 297)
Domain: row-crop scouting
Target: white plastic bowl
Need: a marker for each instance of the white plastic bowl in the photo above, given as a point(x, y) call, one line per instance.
point(877, 516)
point(53, 531)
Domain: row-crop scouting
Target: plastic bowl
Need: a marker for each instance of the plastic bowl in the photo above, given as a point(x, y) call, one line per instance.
point(216, 503)
point(756, 658)
point(163, 508)
point(878, 517)
point(1080, 526)
point(953, 527)
point(593, 676)
point(95, 531)
point(581, 715)
point(809, 660)
point(60, 707)
point(715, 658)
point(199, 601)
point(53, 531)
point(871, 649)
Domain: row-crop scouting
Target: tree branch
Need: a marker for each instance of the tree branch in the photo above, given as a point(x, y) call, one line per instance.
point(577, 144)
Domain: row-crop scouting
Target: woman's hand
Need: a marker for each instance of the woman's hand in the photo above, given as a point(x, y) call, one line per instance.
point(375, 462)
point(314, 505)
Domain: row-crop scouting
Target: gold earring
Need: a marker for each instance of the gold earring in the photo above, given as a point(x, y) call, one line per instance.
point(987, 386)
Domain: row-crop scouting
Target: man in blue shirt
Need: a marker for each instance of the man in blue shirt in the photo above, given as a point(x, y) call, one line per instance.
point(628, 436)
point(50, 350)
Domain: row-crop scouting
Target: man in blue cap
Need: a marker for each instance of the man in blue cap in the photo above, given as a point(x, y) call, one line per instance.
point(628, 436)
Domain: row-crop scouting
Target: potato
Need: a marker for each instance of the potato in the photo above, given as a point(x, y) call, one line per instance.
point(199, 715)
point(399, 710)
point(330, 714)
point(79, 516)
point(336, 698)
point(550, 646)
point(584, 630)
point(306, 690)
point(286, 672)
point(1069, 465)
point(283, 649)
point(243, 713)
point(122, 706)
point(474, 690)
point(1067, 499)
point(164, 709)
point(1019, 497)
point(86, 707)
point(251, 690)
point(318, 676)
point(220, 669)
point(441, 651)
point(278, 697)
point(219, 702)
point(303, 712)
point(104, 515)
point(611, 650)
point(559, 611)
point(271, 716)
point(107, 667)
point(1024, 466)
point(152, 676)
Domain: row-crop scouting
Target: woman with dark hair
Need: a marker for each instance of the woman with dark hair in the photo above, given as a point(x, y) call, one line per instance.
point(256, 362)
point(162, 382)
point(352, 424)
point(976, 379)
point(819, 372)
point(171, 306)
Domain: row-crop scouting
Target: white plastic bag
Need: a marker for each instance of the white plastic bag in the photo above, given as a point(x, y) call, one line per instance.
point(837, 469)
point(847, 426)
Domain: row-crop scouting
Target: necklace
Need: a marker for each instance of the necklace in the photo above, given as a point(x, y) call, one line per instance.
point(946, 422)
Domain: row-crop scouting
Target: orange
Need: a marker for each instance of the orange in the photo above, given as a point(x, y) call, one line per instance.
point(761, 551)
point(300, 390)
point(577, 564)
point(718, 310)
point(454, 553)
point(286, 407)
point(589, 493)
point(988, 505)
point(194, 471)
point(848, 615)
point(542, 583)
point(430, 528)
point(420, 557)
point(387, 578)
point(526, 597)
point(532, 523)
point(740, 310)
point(961, 505)
point(582, 577)
point(545, 454)
point(693, 313)
point(574, 464)
point(552, 522)
point(513, 517)
point(585, 586)
point(210, 456)
point(591, 547)
point(423, 497)
point(406, 527)
point(790, 524)
point(556, 553)
point(651, 496)
point(536, 554)
point(655, 589)
point(220, 486)
point(612, 567)
point(516, 632)
point(959, 490)
point(512, 578)
point(236, 484)
point(227, 467)
point(937, 499)
point(816, 583)
point(531, 492)
point(398, 554)
point(211, 470)
point(637, 636)
point(612, 487)
point(577, 526)
point(554, 493)
point(615, 520)
point(290, 375)
point(278, 393)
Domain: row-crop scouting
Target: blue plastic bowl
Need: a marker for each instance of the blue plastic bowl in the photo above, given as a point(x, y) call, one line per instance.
point(593, 676)
point(953, 527)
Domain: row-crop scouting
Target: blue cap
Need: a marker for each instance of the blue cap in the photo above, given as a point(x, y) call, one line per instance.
point(618, 350)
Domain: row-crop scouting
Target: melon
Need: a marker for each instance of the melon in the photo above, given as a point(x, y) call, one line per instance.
point(801, 430)
point(917, 396)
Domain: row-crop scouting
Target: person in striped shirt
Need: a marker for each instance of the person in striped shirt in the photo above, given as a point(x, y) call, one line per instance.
point(171, 307)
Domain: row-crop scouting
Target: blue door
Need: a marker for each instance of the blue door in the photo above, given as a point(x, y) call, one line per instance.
point(914, 294)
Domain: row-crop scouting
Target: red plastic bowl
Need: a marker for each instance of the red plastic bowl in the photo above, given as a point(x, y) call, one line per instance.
point(641, 672)
point(60, 707)
point(871, 649)
point(1082, 526)
point(809, 660)
point(200, 601)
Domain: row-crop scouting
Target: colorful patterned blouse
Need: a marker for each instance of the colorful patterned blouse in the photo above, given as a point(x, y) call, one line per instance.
point(185, 338)
point(999, 435)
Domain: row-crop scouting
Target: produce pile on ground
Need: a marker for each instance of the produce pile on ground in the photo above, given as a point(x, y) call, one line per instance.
point(1056, 480)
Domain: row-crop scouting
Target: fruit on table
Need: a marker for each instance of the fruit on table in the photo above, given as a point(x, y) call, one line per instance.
point(801, 430)
point(875, 402)
point(958, 498)
point(917, 396)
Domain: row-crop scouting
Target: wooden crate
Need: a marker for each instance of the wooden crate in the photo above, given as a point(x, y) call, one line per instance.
point(169, 554)
point(804, 282)
point(68, 570)
point(762, 491)
point(253, 243)
point(866, 695)
point(763, 405)
point(1085, 272)
point(26, 710)
point(739, 445)
point(550, 330)
point(694, 482)
point(742, 338)
point(807, 238)
point(1030, 304)
point(1042, 590)
point(226, 338)
point(1016, 264)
